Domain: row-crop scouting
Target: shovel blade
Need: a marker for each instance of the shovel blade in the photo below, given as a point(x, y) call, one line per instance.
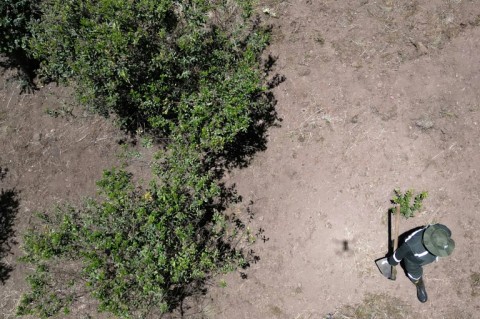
point(385, 268)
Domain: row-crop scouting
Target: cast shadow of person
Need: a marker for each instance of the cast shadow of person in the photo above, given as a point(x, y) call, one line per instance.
point(8, 210)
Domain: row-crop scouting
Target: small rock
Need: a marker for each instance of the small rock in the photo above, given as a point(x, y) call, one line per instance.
point(269, 12)
point(304, 72)
point(356, 65)
point(37, 137)
point(424, 124)
point(421, 48)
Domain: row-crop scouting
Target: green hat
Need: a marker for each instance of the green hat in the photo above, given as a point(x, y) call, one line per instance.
point(436, 239)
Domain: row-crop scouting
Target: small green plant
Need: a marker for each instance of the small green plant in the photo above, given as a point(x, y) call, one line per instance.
point(147, 142)
point(320, 39)
point(222, 283)
point(126, 153)
point(407, 208)
point(63, 112)
point(250, 236)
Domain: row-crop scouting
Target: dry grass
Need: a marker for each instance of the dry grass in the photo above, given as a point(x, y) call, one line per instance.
point(475, 283)
point(378, 306)
point(275, 310)
point(365, 254)
point(404, 30)
point(315, 119)
point(8, 302)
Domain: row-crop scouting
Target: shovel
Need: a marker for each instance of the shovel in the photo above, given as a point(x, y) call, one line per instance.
point(385, 268)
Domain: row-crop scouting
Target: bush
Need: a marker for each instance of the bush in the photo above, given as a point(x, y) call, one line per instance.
point(15, 16)
point(140, 60)
point(189, 73)
point(140, 250)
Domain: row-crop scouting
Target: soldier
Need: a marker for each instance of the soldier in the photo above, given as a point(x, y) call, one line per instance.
point(420, 248)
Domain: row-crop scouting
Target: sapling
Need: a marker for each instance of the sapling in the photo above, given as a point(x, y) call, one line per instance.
point(407, 208)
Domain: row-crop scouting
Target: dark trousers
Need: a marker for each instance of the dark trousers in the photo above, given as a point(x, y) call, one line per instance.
point(414, 271)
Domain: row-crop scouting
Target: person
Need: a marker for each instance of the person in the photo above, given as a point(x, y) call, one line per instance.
point(420, 248)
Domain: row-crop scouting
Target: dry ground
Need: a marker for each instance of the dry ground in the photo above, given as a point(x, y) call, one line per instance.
point(378, 95)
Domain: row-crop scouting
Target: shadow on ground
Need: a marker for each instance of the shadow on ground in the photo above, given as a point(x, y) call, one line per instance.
point(25, 67)
point(8, 210)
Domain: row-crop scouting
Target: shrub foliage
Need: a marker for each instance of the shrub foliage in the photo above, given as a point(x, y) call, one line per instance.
point(140, 250)
point(407, 208)
point(187, 72)
point(15, 16)
point(142, 59)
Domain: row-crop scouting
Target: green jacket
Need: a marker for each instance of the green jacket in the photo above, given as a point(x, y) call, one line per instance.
point(413, 251)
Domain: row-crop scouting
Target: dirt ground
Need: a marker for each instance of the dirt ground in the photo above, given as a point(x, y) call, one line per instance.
point(378, 95)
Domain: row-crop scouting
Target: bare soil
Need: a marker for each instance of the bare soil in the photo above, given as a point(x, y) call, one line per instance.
point(378, 95)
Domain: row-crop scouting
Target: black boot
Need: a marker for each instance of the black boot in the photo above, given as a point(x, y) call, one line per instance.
point(421, 292)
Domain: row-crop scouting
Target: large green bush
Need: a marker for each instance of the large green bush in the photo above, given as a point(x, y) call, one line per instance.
point(140, 250)
point(189, 72)
point(15, 16)
point(140, 59)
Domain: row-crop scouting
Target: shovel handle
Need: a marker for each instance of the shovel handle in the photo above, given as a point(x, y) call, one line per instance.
point(395, 239)
point(397, 222)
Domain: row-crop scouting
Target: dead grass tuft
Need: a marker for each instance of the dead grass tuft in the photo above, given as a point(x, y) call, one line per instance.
point(475, 284)
point(364, 254)
point(403, 30)
point(275, 310)
point(378, 306)
point(315, 120)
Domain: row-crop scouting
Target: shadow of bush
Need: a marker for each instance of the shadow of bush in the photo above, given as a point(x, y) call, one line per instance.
point(26, 70)
point(15, 16)
point(8, 210)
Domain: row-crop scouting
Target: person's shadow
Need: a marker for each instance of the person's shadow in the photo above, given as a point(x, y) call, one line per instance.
point(8, 210)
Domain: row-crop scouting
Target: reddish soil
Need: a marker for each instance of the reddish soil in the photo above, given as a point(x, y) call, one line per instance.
point(378, 95)
point(49, 161)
